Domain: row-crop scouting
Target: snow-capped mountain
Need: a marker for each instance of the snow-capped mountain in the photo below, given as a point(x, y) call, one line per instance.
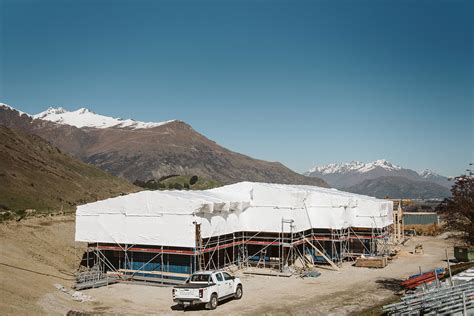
point(432, 176)
point(344, 175)
point(8, 107)
point(354, 166)
point(135, 151)
point(427, 173)
point(86, 118)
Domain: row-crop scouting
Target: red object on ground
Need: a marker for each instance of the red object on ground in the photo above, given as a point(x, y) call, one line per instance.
point(418, 280)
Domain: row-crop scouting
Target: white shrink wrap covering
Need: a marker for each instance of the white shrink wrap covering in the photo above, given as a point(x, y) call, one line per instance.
point(167, 218)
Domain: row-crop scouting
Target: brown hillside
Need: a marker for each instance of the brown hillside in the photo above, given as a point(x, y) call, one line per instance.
point(35, 174)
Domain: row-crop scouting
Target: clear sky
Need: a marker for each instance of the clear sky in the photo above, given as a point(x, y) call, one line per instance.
point(301, 82)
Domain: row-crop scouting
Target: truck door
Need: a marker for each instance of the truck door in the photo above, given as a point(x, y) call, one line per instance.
point(221, 288)
point(229, 283)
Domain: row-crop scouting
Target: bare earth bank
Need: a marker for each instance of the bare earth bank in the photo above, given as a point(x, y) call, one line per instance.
point(37, 253)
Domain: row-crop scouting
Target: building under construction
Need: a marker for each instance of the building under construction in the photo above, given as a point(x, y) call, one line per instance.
point(163, 236)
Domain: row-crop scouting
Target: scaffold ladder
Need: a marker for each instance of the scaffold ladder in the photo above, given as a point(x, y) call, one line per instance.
point(199, 250)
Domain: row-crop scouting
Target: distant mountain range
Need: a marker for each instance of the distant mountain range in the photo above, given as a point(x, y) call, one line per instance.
point(142, 151)
point(381, 178)
point(35, 174)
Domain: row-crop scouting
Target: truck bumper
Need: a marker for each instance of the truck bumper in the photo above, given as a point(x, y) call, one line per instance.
point(187, 302)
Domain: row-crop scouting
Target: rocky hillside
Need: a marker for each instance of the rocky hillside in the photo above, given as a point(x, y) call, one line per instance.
point(142, 151)
point(399, 188)
point(34, 174)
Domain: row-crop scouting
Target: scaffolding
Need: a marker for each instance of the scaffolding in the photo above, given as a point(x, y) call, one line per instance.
point(274, 250)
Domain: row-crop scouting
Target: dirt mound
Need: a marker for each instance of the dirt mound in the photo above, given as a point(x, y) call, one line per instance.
point(35, 254)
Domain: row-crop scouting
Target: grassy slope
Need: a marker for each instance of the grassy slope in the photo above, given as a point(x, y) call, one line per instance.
point(201, 184)
point(35, 174)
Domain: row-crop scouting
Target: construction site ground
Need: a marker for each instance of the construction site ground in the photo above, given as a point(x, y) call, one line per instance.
point(37, 254)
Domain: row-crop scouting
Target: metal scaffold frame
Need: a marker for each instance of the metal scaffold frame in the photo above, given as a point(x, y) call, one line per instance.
point(276, 250)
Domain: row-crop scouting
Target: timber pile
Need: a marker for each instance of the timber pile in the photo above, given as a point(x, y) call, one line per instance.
point(371, 262)
point(418, 279)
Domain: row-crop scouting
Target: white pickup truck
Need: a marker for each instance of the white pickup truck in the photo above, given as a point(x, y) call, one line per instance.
point(207, 287)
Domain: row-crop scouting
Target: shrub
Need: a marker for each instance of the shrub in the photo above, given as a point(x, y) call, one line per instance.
point(193, 180)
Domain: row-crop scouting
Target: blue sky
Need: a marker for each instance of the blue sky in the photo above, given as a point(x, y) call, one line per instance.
point(301, 82)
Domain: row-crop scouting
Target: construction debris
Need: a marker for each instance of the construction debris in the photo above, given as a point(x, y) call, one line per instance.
point(269, 272)
point(311, 274)
point(77, 296)
point(418, 249)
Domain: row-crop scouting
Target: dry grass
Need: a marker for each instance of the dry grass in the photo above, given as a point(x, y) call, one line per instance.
point(425, 230)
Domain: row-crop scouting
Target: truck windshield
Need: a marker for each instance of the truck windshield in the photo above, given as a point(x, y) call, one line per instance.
point(201, 278)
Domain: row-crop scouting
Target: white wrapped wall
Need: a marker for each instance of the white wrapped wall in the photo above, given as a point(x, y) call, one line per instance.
point(167, 217)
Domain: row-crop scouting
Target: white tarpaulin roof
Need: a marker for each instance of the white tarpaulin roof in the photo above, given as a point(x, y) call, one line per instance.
point(167, 217)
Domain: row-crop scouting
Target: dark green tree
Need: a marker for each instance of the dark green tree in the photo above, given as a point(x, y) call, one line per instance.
point(458, 210)
point(193, 180)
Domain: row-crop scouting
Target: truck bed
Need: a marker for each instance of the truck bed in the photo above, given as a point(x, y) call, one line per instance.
point(193, 285)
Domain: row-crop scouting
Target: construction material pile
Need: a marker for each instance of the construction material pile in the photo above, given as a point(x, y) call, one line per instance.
point(423, 278)
point(444, 300)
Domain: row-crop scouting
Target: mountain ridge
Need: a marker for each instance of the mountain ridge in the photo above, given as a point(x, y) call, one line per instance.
point(151, 153)
point(399, 188)
point(360, 177)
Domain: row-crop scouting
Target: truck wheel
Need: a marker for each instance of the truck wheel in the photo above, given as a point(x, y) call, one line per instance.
point(213, 301)
point(238, 292)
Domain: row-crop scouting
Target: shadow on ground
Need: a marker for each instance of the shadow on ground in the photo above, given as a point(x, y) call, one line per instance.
point(390, 284)
point(199, 307)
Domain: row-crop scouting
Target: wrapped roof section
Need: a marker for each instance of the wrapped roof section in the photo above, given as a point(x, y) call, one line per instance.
point(168, 218)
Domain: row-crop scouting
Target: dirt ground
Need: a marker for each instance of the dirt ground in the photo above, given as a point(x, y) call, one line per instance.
point(36, 254)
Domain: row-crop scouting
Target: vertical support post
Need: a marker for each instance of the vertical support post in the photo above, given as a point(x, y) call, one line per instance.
point(199, 248)
point(464, 309)
point(402, 232)
point(87, 255)
point(280, 248)
point(161, 265)
point(398, 219)
point(233, 248)
point(449, 268)
point(304, 248)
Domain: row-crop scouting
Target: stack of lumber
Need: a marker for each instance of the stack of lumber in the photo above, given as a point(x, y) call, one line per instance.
point(371, 262)
point(418, 279)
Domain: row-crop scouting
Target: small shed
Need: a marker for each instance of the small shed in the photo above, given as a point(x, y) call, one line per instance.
point(420, 218)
